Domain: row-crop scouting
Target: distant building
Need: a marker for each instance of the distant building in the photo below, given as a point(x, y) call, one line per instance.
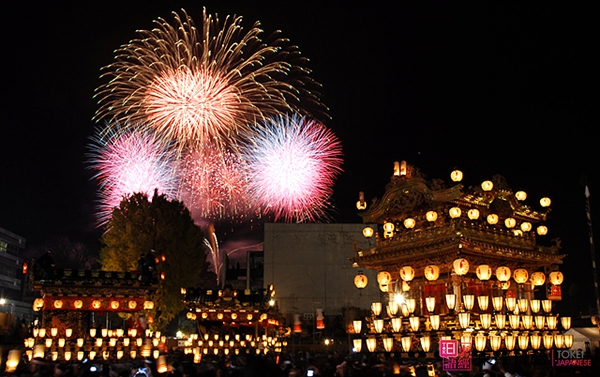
point(12, 280)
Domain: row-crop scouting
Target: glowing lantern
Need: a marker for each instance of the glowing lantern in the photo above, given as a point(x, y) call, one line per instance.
point(538, 278)
point(96, 304)
point(484, 272)
point(78, 304)
point(521, 195)
point(480, 342)
point(492, 219)
point(368, 232)
point(456, 175)
point(388, 227)
point(409, 223)
point(461, 266)
point(357, 344)
point(565, 322)
point(455, 212)
point(473, 214)
point(384, 277)
point(487, 185)
point(407, 273)
point(486, 320)
point(483, 301)
point(525, 226)
point(542, 230)
point(361, 280)
point(521, 275)
point(371, 344)
point(545, 202)
point(320, 319)
point(556, 277)
point(432, 272)
point(388, 344)
point(14, 357)
point(509, 222)
point(468, 301)
point(361, 204)
point(38, 304)
point(357, 326)
point(132, 305)
point(58, 304)
point(114, 304)
point(376, 308)
point(148, 305)
point(431, 216)
point(406, 342)
point(503, 273)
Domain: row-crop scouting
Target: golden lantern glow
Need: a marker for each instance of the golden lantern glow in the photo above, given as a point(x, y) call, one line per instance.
point(523, 304)
point(12, 361)
point(361, 204)
point(396, 324)
point(503, 273)
point(484, 272)
point(536, 341)
point(510, 222)
point(538, 278)
point(483, 302)
point(406, 342)
point(521, 275)
point(547, 305)
point(434, 320)
point(407, 273)
point(96, 304)
point(132, 305)
point(487, 185)
point(388, 344)
point(93, 332)
point(114, 304)
point(431, 272)
point(409, 223)
point(78, 304)
point(464, 318)
point(545, 202)
point(376, 308)
point(567, 341)
point(486, 320)
point(38, 304)
point(411, 304)
point(54, 331)
point(548, 341)
point(511, 303)
point(384, 277)
point(357, 344)
point(526, 226)
point(473, 214)
point(425, 343)
point(468, 301)
point(455, 212)
point(492, 219)
point(535, 305)
point(368, 232)
point(378, 325)
point(542, 230)
point(521, 195)
point(480, 342)
point(357, 324)
point(371, 344)
point(551, 322)
point(495, 342)
point(559, 340)
point(523, 341)
point(510, 341)
point(414, 323)
point(430, 303)
point(431, 216)
point(556, 277)
point(456, 175)
point(58, 304)
point(361, 280)
point(388, 227)
point(461, 266)
point(527, 321)
point(565, 322)
point(451, 301)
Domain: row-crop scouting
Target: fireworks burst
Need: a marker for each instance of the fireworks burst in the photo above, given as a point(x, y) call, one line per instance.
point(211, 84)
point(214, 183)
point(292, 165)
point(130, 160)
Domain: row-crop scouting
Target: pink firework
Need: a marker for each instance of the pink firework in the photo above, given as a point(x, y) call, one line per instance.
point(130, 160)
point(214, 183)
point(292, 165)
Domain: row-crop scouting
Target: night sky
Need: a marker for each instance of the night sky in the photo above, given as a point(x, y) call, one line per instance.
point(489, 88)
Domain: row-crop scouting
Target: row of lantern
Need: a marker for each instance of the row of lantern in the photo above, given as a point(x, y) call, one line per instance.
point(233, 316)
point(97, 342)
point(40, 351)
point(461, 267)
point(525, 341)
point(455, 212)
point(91, 304)
point(517, 306)
point(41, 332)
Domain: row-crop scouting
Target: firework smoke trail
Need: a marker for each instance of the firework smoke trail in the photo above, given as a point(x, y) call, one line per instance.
point(292, 165)
point(214, 183)
point(211, 84)
point(130, 160)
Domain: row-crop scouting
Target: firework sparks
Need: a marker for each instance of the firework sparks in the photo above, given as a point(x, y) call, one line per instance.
point(214, 183)
point(130, 160)
point(211, 84)
point(292, 165)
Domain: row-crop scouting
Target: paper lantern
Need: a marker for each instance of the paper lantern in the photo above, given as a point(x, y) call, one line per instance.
point(368, 232)
point(431, 216)
point(484, 272)
point(456, 175)
point(58, 304)
point(384, 277)
point(510, 222)
point(388, 227)
point(407, 273)
point(538, 278)
point(521, 275)
point(38, 304)
point(431, 272)
point(361, 280)
point(487, 185)
point(409, 223)
point(545, 202)
point(357, 344)
point(521, 195)
point(425, 343)
point(455, 212)
point(473, 214)
point(526, 226)
point(461, 266)
point(503, 273)
point(556, 277)
point(542, 230)
point(361, 204)
point(492, 219)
